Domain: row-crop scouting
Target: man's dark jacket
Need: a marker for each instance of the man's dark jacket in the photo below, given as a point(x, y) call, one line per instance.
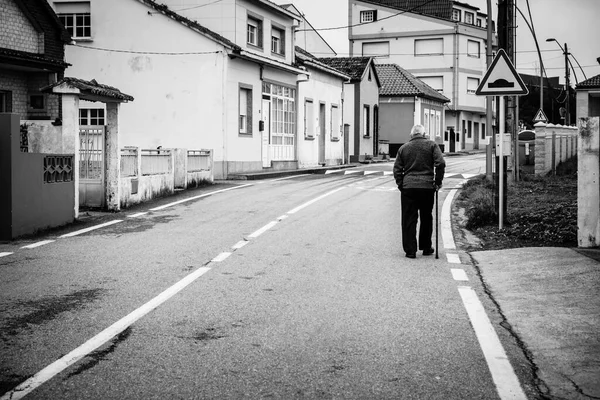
point(419, 164)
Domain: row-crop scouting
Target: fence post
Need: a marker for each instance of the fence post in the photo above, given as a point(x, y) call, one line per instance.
point(113, 161)
point(588, 186)
point(540, 148)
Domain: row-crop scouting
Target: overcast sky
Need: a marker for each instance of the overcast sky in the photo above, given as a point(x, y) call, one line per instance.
point(574, 22)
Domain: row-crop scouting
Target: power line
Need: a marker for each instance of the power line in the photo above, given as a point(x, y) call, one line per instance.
point(148, 52)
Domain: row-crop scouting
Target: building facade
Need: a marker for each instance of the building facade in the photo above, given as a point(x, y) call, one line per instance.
point(443, 43)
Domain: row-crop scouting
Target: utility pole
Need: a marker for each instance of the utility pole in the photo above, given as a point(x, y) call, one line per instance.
point(568, 87)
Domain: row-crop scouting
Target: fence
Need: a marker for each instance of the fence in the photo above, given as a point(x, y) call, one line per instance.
point(155, 162)
point(553, 144)
point(198, 160)
point(147, 174)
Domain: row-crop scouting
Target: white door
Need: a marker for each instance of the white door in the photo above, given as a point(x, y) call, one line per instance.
point(266, 133)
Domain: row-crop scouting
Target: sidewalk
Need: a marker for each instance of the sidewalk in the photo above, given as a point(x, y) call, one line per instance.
point(550, 298)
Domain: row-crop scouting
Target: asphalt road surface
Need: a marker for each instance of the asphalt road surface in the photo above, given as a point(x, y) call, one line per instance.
point(292, 288)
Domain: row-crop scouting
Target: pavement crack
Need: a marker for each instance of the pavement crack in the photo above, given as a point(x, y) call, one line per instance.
point(541, 387)
point(579, 389)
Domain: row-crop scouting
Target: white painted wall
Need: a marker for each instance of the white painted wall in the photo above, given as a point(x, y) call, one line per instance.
point(320, 87)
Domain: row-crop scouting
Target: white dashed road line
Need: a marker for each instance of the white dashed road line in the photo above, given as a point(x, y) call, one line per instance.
point(221, 257)
point(92, 228)
point(308, 203)
point(459, 274)
point(197, 197)
point(38, 244)
point(137, 215)
point(263, 229)
point(453, 258)
point(6, 253)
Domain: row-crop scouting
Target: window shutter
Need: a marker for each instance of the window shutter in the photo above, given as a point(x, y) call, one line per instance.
point(282, 50)
point(260, 34)
point(374, 15)
point(249, 111)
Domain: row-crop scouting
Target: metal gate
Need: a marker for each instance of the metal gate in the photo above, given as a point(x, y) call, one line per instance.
point(91, 166)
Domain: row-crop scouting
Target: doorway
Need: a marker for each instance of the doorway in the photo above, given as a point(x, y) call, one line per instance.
point(91, 166)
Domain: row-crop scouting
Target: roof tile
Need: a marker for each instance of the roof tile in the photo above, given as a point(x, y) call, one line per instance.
point(396, 81)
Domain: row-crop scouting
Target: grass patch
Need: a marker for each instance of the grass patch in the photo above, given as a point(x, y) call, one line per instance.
point(541, 210)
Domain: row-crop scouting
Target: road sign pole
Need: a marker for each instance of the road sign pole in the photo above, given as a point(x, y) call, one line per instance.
point(501, 172)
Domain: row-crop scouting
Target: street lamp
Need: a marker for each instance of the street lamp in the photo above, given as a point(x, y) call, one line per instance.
point(566, 53)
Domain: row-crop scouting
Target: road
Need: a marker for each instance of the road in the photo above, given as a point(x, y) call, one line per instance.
point(285, 288)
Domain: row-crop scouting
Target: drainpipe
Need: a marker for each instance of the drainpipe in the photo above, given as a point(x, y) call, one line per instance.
point(455, 86)
point(224, 116)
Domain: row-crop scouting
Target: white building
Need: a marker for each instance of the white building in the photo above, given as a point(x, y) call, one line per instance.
point(205, 74)
point(443, 43)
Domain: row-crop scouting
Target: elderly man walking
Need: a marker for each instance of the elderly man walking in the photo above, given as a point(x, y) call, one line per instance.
point(419, 171)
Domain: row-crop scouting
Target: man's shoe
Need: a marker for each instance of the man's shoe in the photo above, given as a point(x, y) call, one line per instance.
point(428, 252)
point(411, 255)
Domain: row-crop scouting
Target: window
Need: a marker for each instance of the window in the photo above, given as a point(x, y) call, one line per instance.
point(254, 32)
point(438, 123)
point(36, 102)
point(426, 122)
point(91, 116)
point(278, 41)
point(336, 125)
point(478, 22)
point(245, 109)
point(469, 18)
point(5, 101)
point(473, 48)
point(366, 120)
point(309, 119)
point(283, 113)
point(368, 16)
point(435, 82)
point(76, 18)
point(429, 47)
point(483, 131)
point(456, 15)
point(469, 130)
point(472, 85)
point(376, 49)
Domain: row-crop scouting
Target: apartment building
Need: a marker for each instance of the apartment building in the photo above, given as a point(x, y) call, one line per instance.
point(441, 42)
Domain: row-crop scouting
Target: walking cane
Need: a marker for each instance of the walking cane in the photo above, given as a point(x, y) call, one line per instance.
point(436, 223)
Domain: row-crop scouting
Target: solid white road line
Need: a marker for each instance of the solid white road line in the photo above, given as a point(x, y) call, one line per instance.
point(287, 177)
point(38, 244)
point(459, 274)
point(64, 362)
point(137, 215)
point(453, 258)
point(446, 226)
point(92, 228)
point(198, 197)
point(221, 257)
point(308, 203)
point(507, 383)
point(263, 229)
point(6, 253)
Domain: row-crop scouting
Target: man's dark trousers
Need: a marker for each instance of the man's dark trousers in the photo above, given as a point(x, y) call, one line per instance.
point(417, 203)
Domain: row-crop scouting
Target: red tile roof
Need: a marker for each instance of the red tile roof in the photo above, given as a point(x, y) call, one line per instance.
point(91, 87)
point(354, 67)
point(397, 82)
point(592, 83)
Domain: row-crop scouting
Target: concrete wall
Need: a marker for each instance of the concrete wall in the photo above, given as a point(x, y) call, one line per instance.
point(588, 183)
point(553, 145)
point(28, 203)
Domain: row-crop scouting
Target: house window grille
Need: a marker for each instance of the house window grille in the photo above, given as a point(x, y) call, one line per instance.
point(368, 16)
point(456, 15)
point(76, 18)
point(91, 117)
point(58, 169)
point(366, 121)
point(309, 119)
point(469, 18)
point(336, 125)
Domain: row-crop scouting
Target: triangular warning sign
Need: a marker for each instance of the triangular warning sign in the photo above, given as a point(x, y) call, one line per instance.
point(540, 116)
point(501, 79)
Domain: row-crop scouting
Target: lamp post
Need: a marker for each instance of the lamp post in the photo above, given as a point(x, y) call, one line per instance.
point(566, 53)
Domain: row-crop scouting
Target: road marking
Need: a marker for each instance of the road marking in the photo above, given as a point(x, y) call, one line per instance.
point(504, 376)
point(38, 244)
point(371, 172)
point(385, 173)
point(4, 254)
point(282, 218)
point(198, 197)
point(137, 215)
point(221, 257)
point(308, 203)
point(116, 221)
point(240, 244)
point(287, 177)
point(263, 229)
point(453, 258)
point(351, 172)
point(446, 225)
point(337, 171)
point(80, 352)
point(459, 274)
